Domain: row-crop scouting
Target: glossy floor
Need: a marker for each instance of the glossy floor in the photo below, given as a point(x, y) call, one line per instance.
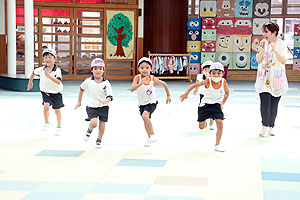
point(181, 165)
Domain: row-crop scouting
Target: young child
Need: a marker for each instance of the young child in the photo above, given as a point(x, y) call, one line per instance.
point(99, 93)
point(50, 86)
point(200, 77)
point(144, 83)
point(215, 95)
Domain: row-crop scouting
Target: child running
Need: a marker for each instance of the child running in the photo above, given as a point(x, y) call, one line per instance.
point(200, 77)
point(50, 86)
point(215, 95)
point(144, 83)
point(99, 93)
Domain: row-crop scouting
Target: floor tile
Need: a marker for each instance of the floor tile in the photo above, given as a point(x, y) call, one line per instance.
point(18, 185)
point(281, 176)
point(152, 197)
point(53, 196)
point(142, 162)
point(179, 180)
point(60, 153)
point(120, 188)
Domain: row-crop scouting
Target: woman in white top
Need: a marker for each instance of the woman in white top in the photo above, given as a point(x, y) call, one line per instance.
point(271, 82)
point(144, 83)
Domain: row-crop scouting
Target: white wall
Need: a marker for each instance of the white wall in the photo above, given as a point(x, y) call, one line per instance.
point(2, 16)
point(141, 20)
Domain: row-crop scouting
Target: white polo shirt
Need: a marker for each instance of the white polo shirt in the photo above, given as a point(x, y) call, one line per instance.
point(47, 85)
point(95, 91)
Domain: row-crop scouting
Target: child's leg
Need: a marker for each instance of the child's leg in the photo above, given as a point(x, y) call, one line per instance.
point(58, 117)
point(211, 121)
point(46, 112)
point(202, 125)
point(219, 123)
point(93, 124)
point(147, 123)
point(101, 129)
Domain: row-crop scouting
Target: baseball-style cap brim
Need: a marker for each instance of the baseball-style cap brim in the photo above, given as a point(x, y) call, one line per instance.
point(97, 62)
point(217, 66)
point(207, 63)
point(51, 51)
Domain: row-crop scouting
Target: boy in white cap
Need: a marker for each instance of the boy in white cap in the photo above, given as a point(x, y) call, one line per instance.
point(99, 94)
point(144, 83)
point(50, 86)
point(200, 77)
point(215, 95)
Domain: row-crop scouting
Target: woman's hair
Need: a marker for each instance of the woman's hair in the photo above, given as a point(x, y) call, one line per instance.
point(271, 26)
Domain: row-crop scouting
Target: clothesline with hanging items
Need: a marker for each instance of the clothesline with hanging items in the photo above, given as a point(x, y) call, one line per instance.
point(171, 66)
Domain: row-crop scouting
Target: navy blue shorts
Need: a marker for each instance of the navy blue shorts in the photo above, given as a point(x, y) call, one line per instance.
point(149, 107)
point(207, 111)
point(55, 100)
point(101, 112)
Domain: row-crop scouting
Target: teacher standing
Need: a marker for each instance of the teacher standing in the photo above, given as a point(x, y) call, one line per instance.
point(271, 82)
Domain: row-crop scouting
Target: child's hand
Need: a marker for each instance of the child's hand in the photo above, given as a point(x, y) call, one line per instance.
point(102, 101)
point(168, 99)
point(29, 86)
point(146, 79)
point(221, 106)
point(47, 72)
point(77, 106)
point(183, 97)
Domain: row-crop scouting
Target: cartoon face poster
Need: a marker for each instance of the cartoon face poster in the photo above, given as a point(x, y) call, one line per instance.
point(255, 43)
point(225, 25)
point(224, 43)
point(257, 25)
point(194, 24)
point(208, 8)
point(261, 8)
point(241, 61)
point(243, 8)
point(225, 59)
point(225, 8)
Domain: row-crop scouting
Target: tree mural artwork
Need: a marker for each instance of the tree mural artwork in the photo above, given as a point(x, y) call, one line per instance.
point(119, 33)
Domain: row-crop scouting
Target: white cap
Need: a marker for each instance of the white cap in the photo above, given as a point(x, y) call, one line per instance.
point(97, 62)
point(51, 51)
point(144, 59)
point(216, 65)
point(206, 63)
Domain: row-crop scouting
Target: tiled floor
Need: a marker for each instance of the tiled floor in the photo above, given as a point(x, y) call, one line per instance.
point(181, 165)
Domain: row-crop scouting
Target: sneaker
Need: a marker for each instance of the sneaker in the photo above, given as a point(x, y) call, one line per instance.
point(263, 131)
point(98, 144)
point(153, 138)
point(148, 142)
point(219, 148)
point(87, 136)
point(211, 126)
point(45, 127)
point(58, 131)
point(271, 131)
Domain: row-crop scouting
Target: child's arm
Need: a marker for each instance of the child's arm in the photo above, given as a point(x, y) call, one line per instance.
point(109, 96)
point(30, 83)
point(226, 95)
point(164, 84)
point(197, 84)
point(196, 88)
point(135, 85)
point(55, 80)
point(81, 91)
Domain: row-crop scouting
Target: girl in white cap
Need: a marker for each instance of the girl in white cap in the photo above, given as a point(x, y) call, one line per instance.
point(144, 83)
point(99, 94)
point(215, 95)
